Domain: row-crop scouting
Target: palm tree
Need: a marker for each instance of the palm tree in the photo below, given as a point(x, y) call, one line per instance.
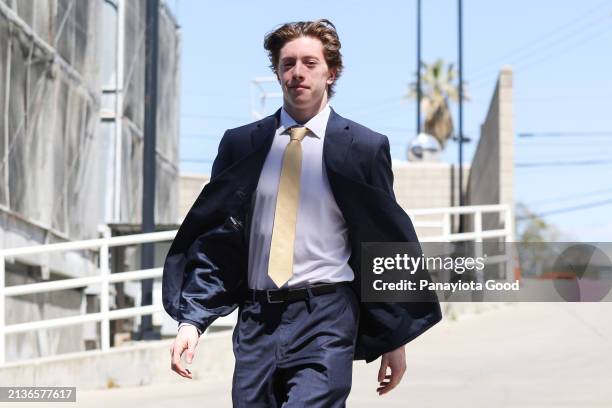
point(437, 89)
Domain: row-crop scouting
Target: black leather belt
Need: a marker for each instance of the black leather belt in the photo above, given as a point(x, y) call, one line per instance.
point(293, 294)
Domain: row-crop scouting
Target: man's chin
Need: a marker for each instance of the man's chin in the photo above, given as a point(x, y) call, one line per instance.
point(300, 104)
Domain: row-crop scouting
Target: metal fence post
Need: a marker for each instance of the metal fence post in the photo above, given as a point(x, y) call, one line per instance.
point(512, 261)
point(2, 312)
point(509, 224)
point(478, 225)
point(104, 290)
point(478, 242)
point(446, 226)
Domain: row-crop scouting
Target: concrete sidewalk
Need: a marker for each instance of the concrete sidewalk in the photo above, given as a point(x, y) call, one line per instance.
point(522, 355)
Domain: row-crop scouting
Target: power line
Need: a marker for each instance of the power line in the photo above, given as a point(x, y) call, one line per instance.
point(537, 51)
point(365, 103)
point(559, 97)
point(536, 44)
point(570, 197)
point(200, 136)
point(190, 160)
point(215, 94)
point(579, 143)
point(564, 163)
point(564, 210)
point(214, 117)
point(566, 133)
point(383, 106)
point(524, 63)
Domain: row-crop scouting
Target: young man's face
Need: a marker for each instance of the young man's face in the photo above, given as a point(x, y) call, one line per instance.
point(304, 74)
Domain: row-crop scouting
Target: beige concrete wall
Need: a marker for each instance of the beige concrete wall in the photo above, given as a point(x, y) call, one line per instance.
point(190, 186)
point(427, 185)
point(136, 364)
point(491, 178)
point(41, 306)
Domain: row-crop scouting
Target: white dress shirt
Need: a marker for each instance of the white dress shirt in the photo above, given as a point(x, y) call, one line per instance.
point(321, 247)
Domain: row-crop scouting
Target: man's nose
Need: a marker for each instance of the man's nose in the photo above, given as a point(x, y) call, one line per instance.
point(298, 70)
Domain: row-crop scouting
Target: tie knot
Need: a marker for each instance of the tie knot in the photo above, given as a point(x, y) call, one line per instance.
point(298, 133)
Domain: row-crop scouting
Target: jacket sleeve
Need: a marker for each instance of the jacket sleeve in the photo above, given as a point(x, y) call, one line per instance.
point(393, 324)
point(224, 156)
point(202, 269)
point(189, 324)
point(381, 175)
point(214, 266)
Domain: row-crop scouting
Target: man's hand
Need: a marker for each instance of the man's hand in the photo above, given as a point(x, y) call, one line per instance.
point(186, 339)
point(396, 361)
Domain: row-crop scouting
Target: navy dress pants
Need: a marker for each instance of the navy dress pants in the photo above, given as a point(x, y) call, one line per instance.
point(295, 354)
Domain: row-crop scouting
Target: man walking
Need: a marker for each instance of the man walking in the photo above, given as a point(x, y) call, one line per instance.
point(277, 233)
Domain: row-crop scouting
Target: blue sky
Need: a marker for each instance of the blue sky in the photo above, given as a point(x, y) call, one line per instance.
point(560, 51)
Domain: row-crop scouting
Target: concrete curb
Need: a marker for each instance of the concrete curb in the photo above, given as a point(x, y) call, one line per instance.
point(137, 364)
point(143, 363)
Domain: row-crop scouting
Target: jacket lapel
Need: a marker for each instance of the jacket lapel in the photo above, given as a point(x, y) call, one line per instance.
point(338, 139)
point(337, 142)
point(263, 135)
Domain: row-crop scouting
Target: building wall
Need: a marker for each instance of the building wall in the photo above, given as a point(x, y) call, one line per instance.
point(47, 148)
point(132, 117)
point(56, 154)
point(492, 176)
point(191, 184)
point(427, 185)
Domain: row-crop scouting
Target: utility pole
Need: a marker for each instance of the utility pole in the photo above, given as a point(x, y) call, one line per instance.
point(149, 159)
point(418, 118)
point(460, 36)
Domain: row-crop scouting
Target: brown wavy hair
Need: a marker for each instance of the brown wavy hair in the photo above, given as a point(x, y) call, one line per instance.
point(321, 29)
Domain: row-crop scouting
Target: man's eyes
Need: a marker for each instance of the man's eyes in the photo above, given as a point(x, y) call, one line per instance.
point(292, 63)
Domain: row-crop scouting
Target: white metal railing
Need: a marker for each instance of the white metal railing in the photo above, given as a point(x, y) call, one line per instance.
point(477, 235)
point(105, 278)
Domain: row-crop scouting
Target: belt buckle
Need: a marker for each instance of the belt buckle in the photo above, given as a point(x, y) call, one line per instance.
point(270, 300)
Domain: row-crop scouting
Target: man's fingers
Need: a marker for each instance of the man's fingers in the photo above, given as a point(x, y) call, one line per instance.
point(191, 345)
point(176, 366)
point(391, 381)
point(185, 342)
point(383, 370)
point(396, 361)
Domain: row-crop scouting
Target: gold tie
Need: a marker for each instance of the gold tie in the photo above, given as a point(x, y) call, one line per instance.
point(280, 265)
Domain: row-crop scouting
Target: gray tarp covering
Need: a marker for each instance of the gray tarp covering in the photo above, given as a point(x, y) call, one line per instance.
point(55, 153)
point(49, 115)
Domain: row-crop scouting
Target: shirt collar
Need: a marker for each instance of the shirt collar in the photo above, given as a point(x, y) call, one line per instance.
point(317, 124)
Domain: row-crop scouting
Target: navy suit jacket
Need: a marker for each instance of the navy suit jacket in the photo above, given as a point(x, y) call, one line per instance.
point(205, 271)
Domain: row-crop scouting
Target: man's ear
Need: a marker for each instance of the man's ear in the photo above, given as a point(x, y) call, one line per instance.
point(332, 76)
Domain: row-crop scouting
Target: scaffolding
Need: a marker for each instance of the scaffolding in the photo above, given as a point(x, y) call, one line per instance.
point(71, 140)
point(49, 109)
point(72, 111)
